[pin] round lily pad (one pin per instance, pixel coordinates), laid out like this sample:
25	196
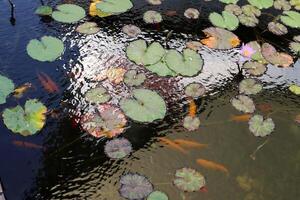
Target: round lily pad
260	127
291	19
88	28
250	21
114	6
97	95
157	195
249	86
276	58
295	47
255	68
189	180
47	49
7	87
282	5
191	123
133	78
191	13
261	4
189	63
154	2
161	68
250	10
68	13
234	9
152	17
145	106
296	38
243	103
117	148
44	11
194	90
277	28
227	20
27	121
131	30
257	55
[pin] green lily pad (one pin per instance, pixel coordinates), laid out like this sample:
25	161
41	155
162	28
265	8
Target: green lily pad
97	95
291	19
27	121
145	106
295	3
7	87
189	63
229	1
277	28
44	11
227	20
68	13
161	68
88	28
133	78
114	6
243	103
261	4
260	127
191	123
194	90
47	49
138	52
246	20
295	47
234	9
282	5
152	17
295	89
255	68
249	86
189	180
157	195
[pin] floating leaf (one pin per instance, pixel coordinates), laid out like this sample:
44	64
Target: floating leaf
226	20
243	103
88	28
114	6
117	148
47	49
295	47
145	106
157	195
255	68
161	68
276	58
7	87
194	90
189	63
138	52
154	2
191	123
261	4
250	21
249	86
295	3
229	1
234	9
295	89
296	38
131	30
68	13
133	78
135	186
93	11
152	17
257	55
97	95
260	127
218	38
251	11
191	13
282	5
193	45
291	19
277	28
189	180
27	121
43	10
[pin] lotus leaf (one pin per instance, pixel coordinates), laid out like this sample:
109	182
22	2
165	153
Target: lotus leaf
131	30
117	148
47	49
189	63
234	9
154	2
282	5
7	87
250	21
249	86
191	13
227	20
27	121
261	4
291	19
161	68
68	13
157	195
44	11
191	123
194	90
145	106
88	28
260	127
114	6
276	58
189	180
243	103
229	1
255	68
295	47
295	3
295	89
97	95
152	17
277	28
138	52
250	10
133	78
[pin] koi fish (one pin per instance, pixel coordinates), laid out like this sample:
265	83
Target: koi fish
19	91
264	107
48	84
173	145
212	165
241	118
189	143
192	108
27	144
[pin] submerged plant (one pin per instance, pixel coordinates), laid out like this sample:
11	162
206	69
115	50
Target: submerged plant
189	180
117	148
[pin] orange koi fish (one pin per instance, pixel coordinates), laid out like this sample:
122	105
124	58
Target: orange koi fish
241	118
19	91
212	165
192	108
173	145
189	143
48	84
27	144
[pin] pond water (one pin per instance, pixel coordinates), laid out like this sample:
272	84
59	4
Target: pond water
72	164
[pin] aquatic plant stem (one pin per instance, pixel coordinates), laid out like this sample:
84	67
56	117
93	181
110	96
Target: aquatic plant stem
258	148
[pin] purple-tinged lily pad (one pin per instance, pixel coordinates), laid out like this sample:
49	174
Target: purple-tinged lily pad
117	148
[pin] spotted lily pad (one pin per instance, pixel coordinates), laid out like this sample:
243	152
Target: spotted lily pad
47	49
68	13
117	148
152	17
277	28
291	19
7	87
157	195
250	10
191	13
227	20
249	86
234	9
194	90
255	68
276	58
295	3
138	52
133	78
114	6
88	28
250	21
295	89
44	11
282	5
145	106
260	127
97	95
27	121
243	103
189	180
261	4
131	30
295	47
191	123
189	63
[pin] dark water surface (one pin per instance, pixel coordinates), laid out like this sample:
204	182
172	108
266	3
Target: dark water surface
73	165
